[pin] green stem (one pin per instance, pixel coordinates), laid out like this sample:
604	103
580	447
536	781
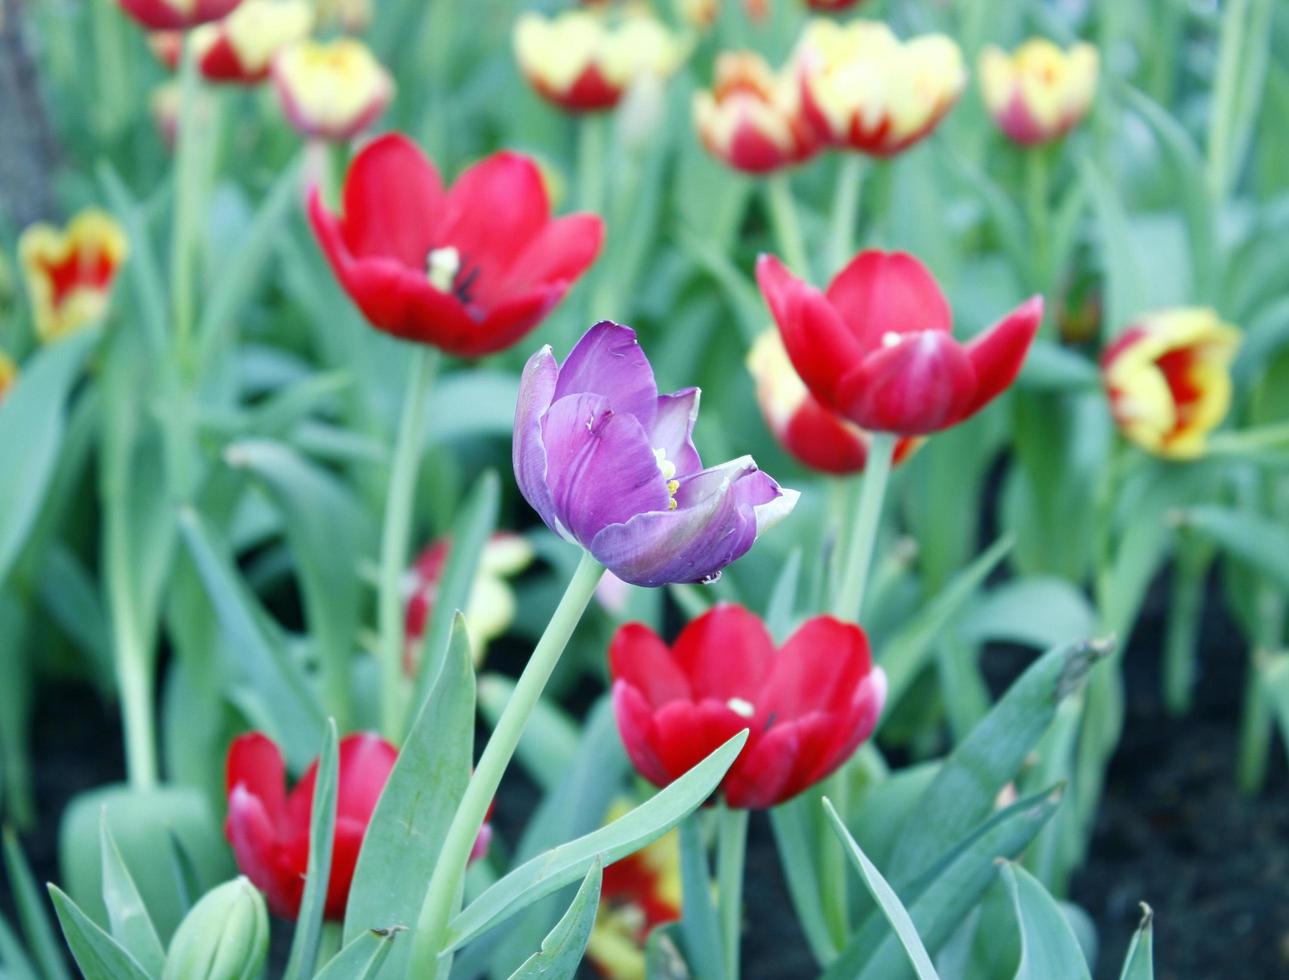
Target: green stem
443	893
1222	111
834	889
1256	727
1037	200
845	211
787	227
592	148
731	851
848	599
395	534
1182	631
187	205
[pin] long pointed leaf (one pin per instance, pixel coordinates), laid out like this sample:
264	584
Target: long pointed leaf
362	958
564	945
1139	964
98	955
128	917
32	913
568	862
1049	950
322	832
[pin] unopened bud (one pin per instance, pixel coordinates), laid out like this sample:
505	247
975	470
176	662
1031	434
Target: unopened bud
224	937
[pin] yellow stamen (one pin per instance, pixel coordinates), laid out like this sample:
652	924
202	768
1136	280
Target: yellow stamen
442	266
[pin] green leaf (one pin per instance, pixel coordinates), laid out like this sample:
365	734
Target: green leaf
550	739
1260	542
411	818
1049	950
1122	264
896	914
1039	612
145	276
128	917
32	913
14	962
322	828
909	650
564	945
963	791
362	957
743	296
31	430
1139	963
329	534
568	862
469	534
797	844
96	953
699	927
781	607
1051	367
267	667
939	900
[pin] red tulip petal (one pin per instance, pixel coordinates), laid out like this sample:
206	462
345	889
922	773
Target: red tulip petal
637	656
777	767
998	353
365	761
398	301
726	653
853	725
825	441
686	733
921	384
495	211
636	726
255	763
821	347
393	202
561	252
345	846
510	320
888	292
819	667
253	836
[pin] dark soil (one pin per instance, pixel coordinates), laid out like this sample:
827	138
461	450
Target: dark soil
1172	830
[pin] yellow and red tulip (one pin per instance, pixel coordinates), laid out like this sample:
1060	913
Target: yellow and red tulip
1039	92
864	88
751	119
639	893
584	61
69	273
1168	379
173	15
331	90
815	436
8	374
241	47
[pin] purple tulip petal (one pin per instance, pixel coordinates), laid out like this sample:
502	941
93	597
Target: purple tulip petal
715	523
673	430
536	391
608	361
600	467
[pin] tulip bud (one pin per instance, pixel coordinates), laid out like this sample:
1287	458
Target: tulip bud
1039	92
241	47
224	937
8	374
751	119
171	15
1168	379
331	90
865	89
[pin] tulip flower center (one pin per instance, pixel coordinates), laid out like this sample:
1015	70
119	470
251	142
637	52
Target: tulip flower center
668	470
741	707
446	272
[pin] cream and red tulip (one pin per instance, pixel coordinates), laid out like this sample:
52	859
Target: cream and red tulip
638	893
865	89
8	374
175	15
70	272
751	119
1168	378
1039	92
268	827
585	60
468	269
331	90
610	465
241	47
877	347
490	605
807	705
815	436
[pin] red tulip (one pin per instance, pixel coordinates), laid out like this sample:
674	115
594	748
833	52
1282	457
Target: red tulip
269	828
807	706
877	346
469	269
175	15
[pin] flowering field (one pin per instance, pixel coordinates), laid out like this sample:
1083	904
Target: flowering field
380	599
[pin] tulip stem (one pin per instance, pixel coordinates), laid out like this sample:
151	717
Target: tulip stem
444	891
1256	729
1037	194
187	206
787	226
845	211
591	151
731	851
848	599
395	534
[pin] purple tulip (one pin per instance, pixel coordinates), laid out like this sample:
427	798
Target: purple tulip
610	464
